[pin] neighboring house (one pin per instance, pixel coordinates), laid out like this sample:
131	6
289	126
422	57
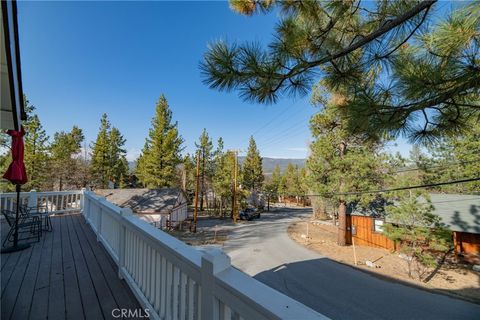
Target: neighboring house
156	206
460	214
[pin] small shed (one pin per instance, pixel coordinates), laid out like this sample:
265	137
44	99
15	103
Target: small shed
156	206
460	213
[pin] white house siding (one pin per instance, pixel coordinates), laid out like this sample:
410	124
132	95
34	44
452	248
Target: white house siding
157	218
178	215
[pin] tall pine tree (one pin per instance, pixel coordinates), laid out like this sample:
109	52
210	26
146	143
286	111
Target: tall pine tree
156	167
100	162
118	164
252	168
340	161
204	148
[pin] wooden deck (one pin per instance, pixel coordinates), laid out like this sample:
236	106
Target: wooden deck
67	275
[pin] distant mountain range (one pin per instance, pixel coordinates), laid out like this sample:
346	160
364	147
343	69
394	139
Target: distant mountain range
268	163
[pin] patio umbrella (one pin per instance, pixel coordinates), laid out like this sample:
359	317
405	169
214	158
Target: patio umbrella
17	175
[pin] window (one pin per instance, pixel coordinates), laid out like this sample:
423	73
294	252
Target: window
378	225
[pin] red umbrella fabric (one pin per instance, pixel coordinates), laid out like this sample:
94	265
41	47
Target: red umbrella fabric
16	172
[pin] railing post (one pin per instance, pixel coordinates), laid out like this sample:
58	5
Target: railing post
99	217
87	208
214	261
82	200
124	212
32	198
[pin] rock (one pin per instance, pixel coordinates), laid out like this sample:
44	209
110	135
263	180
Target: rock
476	268
405	257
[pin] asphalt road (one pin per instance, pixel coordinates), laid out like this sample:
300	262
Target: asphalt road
263	249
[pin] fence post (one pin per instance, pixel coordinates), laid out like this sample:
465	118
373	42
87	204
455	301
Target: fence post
82	200
124	212
214	261
32	198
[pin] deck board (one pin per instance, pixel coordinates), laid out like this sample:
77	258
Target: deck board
56	297
23	301
39	306
67	275
72	289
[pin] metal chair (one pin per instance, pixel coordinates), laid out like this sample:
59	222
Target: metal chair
41	212
32	226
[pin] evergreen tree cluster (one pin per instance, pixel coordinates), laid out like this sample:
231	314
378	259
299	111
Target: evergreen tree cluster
108	158
51	164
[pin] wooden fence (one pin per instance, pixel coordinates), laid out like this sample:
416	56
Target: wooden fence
366	236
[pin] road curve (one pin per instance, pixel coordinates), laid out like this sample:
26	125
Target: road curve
263	249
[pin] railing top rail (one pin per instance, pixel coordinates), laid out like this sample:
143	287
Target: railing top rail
41	193
268	302
180	252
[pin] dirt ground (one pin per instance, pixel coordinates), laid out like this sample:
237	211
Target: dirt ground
452	278
201	237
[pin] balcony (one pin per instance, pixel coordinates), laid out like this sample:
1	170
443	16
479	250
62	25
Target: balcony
100	260
67	275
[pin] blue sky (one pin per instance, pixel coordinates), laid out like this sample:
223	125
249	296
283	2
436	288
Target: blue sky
82	59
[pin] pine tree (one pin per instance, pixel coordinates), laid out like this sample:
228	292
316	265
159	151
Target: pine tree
452	158
204	147
156	167
341	162
64	147
405	73
223	178
36	151
118	164
100	165
272	186
189	175
252	168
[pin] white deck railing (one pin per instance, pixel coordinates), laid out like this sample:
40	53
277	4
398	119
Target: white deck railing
169	278
55	201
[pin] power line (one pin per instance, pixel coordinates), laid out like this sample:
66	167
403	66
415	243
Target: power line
437	166
274	118
395	189
283	135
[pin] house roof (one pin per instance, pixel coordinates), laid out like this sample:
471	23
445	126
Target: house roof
161	200
459	212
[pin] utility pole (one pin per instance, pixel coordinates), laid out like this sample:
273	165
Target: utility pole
234	204
195	212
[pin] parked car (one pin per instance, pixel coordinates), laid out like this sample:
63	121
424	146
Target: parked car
249	214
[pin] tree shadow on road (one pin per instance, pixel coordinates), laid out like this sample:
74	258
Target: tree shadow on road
344	292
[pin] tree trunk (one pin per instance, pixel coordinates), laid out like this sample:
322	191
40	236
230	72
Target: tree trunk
343	235
342	224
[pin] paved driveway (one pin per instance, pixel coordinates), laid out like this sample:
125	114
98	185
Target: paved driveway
263	249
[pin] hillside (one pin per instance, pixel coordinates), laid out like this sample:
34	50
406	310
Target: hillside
270	163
